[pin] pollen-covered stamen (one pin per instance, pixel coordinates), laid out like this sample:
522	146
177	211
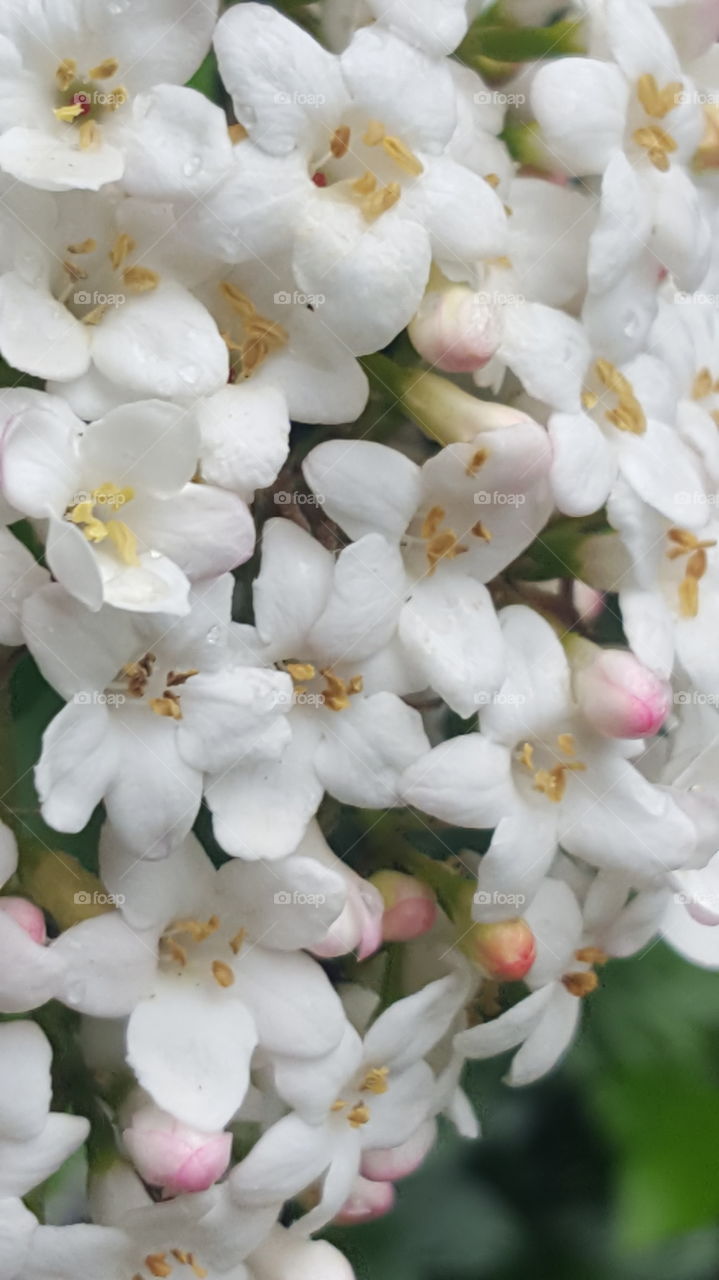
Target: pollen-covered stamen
552	782
358	1115
695	549
337	692
375	1081
657	143
480	530
140	279
105	70
120	251
260	337
398	152
137	674
442	544
83	99
340	142
379	201
158	1265
655	101
300	671
222	973
168	706
580	984
478	459
629	415
591	955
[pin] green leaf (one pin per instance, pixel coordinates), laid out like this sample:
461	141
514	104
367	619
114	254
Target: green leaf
207	79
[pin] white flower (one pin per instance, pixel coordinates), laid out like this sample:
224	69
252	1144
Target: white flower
212	970
328	623
154	704
369	1095
459	520
98	289
70	78
635	121
543	778
367	194
34	1141
126	526
31	972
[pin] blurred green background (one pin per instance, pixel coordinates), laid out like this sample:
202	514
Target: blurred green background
606	1170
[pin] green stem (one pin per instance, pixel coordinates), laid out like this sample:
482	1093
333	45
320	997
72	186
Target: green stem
521	44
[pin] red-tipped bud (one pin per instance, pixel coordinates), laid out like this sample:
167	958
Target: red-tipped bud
619	696
456	330
27	915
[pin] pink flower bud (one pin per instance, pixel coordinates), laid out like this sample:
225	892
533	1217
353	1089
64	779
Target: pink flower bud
456	330
619	696
504	951
171	1155
368	1200
27	915
410	907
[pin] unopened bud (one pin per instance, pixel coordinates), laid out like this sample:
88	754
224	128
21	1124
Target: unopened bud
174	1156
617	694
456	330
27	915
410	907
503	950
368	1200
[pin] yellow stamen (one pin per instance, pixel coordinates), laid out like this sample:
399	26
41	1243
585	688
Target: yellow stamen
480	530
68	113
95	316
105	69
178	953
140	279
300	670
703	385
629	416
198	1270
355	685
657	143
75	271
237	133
122	248
688	598
168	706
238	300
85	246
335	695
591	955
478	459
526	756
365	185
401	155
589	400
222	973
565	742
237	941
580	984
180	677
492	179
339	144
443	546
89	134
376	1080
123	540
66	73
553	782
117	97
359	1115
658	102
378	202
339	1105
373	134
158	1265
432	522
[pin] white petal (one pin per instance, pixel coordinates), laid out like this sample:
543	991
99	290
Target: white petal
365	487
548	351
466	781
233	716
295	1008
366	748
108	966
40	468
244	437
536	693
583	465
409	1028
506	1031
51	162
289	1156
436	28
319	378
24	1165
546	1043
190	1049
153	796
522	850
150	446
401	85
296	898
203	530
178	144
37	333
20	577
451	632
364	603
77	765
581	107
25	1090
292	587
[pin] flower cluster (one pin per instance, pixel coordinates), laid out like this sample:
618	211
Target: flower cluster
358	475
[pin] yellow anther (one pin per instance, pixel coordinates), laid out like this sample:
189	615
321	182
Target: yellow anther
89	134
158	1265
492	179
167	706
443	546
589	400
526	756
75	271
222	973
401	155
373	134
237	942
198	1270
359	1115
703	385
355	685
117	97
178	953
69	112
180	1255
335	695
339	1105
378	202
122	248
580	984
376	1080
480	530
658	102
238	300
300	670
237	133
432	522
108	67
629	415
340	141
657	143
84	246
123	540
553	782
591	955
365	185
140	279
66	73
478	459
688	598
95	316
175	678
566	744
